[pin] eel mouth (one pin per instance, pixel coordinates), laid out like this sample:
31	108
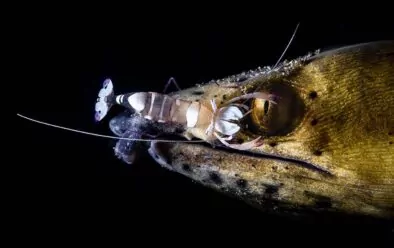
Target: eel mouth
164	152
294	161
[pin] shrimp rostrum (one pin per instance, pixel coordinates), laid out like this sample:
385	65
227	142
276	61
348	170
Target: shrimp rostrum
202	119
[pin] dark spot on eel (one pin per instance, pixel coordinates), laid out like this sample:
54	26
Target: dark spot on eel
169	161
274	168
320	200
224	97
312	95
198	93
215	96
215	178
186	167
242	183
270	190
317	153
314	122
390	142
273	144
324	203
390	133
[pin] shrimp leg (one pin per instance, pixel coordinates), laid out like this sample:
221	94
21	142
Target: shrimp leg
126	150
131	126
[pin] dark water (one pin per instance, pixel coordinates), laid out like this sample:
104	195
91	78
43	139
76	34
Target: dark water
71	179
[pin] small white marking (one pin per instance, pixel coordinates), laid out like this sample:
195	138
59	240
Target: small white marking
153	96
118	99
148	117
110	85
230	113
101	106
105	92
162	109
137	101
101	109
213	104
192	114
226	128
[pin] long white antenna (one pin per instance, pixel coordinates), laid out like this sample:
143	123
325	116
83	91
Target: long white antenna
106	136
288	45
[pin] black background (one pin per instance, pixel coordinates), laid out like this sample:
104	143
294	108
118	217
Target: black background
72	183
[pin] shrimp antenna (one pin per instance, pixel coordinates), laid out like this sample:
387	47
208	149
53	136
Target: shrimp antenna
288	45
106	136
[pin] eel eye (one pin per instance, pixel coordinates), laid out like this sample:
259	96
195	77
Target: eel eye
276	119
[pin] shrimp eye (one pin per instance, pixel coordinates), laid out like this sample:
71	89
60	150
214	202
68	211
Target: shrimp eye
277	119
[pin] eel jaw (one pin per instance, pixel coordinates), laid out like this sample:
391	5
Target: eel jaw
159	155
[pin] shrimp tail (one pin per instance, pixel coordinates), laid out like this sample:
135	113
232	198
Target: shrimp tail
105	100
